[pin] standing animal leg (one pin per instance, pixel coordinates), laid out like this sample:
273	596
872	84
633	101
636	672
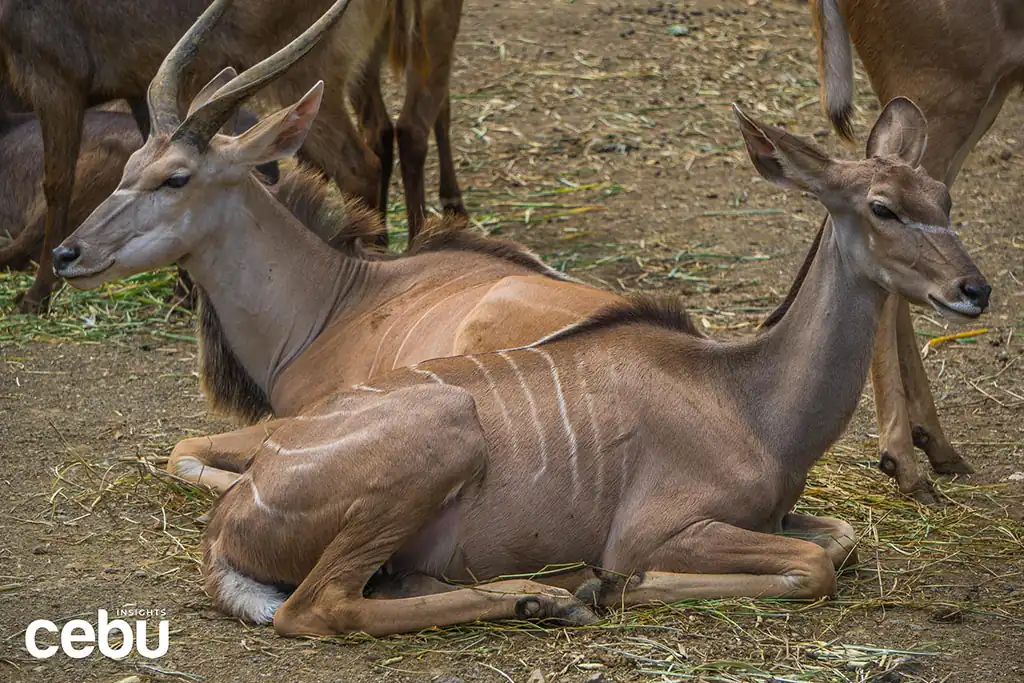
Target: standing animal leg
60	118
426	97
894	436
218	460
378	131
140	112
926	430
712	560
450	194
834	535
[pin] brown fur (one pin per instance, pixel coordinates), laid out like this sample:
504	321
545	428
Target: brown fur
658	311
448	233
343	222
229	388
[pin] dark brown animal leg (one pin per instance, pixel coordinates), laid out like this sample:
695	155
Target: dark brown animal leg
426	93
378	132
140	112
450	194
926	431
894	437
60	119
18	254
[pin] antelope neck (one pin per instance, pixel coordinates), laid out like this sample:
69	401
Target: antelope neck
274	284
800	382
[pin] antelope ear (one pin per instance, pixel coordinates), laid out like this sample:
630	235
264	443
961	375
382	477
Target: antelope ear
901	130
781	158
207	93
281	134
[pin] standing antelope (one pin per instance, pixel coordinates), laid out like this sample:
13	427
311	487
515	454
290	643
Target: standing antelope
62	55
627	441
958	60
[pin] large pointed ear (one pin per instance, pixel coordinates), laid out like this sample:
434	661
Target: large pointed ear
781	158
204	96
901	130
281	134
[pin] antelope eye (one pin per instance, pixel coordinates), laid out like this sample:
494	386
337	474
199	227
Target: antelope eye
178	180
883	211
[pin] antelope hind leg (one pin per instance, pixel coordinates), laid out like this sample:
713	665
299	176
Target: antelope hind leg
926	431
217	461
894	436
717	560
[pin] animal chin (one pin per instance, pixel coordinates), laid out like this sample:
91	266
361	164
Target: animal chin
82	279
957	310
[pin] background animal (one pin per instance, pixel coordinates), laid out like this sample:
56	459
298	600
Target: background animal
958	60
60	56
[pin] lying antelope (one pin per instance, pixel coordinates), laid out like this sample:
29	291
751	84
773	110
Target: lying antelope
958	60
62	55
329	318
627	441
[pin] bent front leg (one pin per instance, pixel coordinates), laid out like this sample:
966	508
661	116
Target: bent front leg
715	560
835	536
217	461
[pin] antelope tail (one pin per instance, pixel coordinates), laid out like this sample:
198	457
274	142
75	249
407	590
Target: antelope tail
835	64
407	44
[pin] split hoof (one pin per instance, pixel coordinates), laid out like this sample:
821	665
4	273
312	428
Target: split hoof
958	466
558	606
923	492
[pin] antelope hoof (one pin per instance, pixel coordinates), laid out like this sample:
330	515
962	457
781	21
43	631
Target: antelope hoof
944	459
923	492
188	468
31	303
561	607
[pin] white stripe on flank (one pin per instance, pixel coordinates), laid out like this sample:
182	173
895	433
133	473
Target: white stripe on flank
563	409
533	414
256	497
588	402
399	318
497	398
363	387
426	373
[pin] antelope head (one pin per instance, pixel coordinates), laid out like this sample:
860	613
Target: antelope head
890	218
188	177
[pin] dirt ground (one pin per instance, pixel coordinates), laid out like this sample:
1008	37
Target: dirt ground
586	130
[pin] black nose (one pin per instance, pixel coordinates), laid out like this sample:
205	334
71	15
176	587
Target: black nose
976	292
63	257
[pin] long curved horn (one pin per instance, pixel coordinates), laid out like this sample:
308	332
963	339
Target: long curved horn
162	95
201	125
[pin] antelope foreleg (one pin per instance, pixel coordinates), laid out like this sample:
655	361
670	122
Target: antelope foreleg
716	560
834	535
926	431
894	436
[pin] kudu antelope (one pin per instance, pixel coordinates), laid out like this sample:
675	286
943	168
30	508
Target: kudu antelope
109	137
958	60
330	319
627	441
61	56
